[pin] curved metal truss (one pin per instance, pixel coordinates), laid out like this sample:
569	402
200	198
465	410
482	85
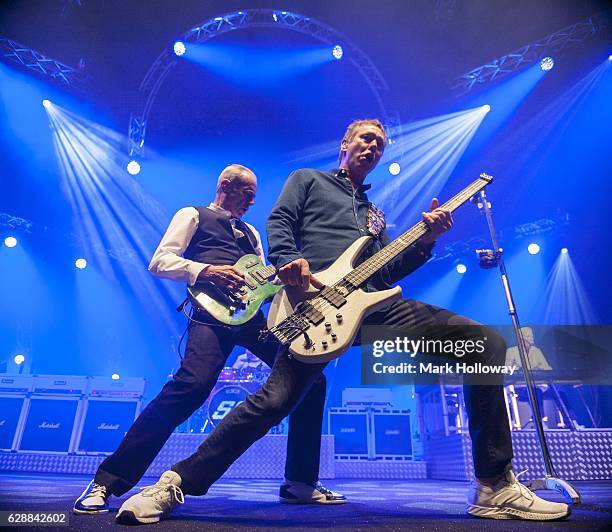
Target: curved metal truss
33	60
555	42
261	18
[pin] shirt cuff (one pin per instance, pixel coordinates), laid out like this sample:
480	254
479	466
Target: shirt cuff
287	259
194	271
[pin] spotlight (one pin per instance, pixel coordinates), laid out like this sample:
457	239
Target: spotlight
547	63
395	168
461	268
337	51
10	241
564	250
115	376
133	168
610	58
19	359
46	103
533	249
81	264
486	108
179	48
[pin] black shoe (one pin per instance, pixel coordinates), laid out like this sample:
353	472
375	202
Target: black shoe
301	493
94	500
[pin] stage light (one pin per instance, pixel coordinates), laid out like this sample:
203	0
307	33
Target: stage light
115	376
547	63
564	250
395	168
179	48
275	17
486	108
533	249
133	168
10	241
19	359
337	51
46	103
81	264
610	58
461	268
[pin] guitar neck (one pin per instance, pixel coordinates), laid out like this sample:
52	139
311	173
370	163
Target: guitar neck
380	259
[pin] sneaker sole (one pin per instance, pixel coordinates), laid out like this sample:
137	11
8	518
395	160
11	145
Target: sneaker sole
490	512
129	518
89	512
311	502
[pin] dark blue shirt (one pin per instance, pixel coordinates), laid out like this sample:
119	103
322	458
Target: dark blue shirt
318	215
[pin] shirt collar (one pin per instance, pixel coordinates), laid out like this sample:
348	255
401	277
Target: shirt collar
342	174
221	210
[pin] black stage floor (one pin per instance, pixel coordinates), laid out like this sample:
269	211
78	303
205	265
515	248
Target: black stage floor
251	505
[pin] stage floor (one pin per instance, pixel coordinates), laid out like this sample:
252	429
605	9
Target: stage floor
252	505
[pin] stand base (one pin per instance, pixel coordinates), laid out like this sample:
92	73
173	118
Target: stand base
570	494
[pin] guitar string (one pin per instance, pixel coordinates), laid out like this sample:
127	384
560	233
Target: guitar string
381	256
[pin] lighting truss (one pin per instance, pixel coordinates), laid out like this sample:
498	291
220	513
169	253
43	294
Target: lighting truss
262	18
553	44
33	60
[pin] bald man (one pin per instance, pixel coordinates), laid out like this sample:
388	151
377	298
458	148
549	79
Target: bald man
200	245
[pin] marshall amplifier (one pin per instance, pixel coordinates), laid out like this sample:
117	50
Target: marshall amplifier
105	423
53	414
124	388
14	390
351	430
392	434
50	424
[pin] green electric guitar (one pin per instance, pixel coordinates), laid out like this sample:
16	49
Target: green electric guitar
235	307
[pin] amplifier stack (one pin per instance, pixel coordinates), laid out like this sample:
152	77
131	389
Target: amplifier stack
65	413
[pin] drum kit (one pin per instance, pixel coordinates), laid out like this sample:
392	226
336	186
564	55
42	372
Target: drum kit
231	389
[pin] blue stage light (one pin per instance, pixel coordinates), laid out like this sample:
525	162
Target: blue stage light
133	168
10	241
81	264
46	103
486	108
547	63
179	48
115	376
337	51
533	249
19	359
564	250
461	268
395	168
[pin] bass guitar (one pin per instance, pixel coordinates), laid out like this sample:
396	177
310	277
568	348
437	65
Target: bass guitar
320	325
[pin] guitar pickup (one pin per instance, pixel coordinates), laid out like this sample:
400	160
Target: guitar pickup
310	313
333	296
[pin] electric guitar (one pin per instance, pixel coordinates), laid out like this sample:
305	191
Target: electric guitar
320	325
235	307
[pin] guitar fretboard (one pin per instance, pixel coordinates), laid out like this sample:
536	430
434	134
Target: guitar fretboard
377	261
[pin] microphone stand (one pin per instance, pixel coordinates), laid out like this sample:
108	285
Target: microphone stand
550	481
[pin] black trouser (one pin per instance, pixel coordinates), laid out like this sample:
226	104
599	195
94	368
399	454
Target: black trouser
206	352
291	380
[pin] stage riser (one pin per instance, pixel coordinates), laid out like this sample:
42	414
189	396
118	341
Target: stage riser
581	455
265	459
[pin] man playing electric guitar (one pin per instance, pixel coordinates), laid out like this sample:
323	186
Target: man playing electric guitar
317	216
200	245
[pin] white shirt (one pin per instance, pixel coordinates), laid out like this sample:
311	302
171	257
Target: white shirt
168	261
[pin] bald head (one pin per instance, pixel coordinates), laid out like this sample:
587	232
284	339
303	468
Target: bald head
236	174
236	189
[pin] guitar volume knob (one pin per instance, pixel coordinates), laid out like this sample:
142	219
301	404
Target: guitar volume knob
324	344
339	318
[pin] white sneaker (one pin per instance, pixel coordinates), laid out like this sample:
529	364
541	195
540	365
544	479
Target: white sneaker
153	502
509	499
94	500
300	493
